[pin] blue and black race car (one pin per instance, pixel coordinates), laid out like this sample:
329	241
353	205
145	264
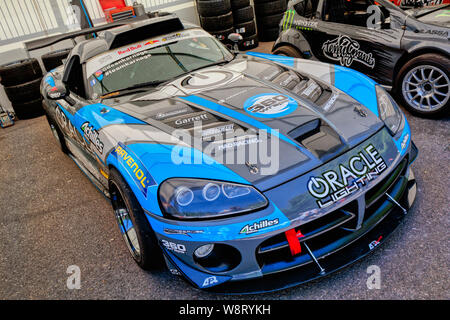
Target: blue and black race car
242	172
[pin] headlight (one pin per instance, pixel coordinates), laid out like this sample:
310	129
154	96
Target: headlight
388	110
184	198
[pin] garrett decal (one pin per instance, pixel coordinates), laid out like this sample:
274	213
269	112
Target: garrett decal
346	50
135	168
182	122
256	226
333	186
92	136
270	105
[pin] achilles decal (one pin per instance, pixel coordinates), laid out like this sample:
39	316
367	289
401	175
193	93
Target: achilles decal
256	226
346	50
333	186
92	135
270	105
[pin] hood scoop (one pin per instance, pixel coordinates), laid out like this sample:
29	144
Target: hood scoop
319	138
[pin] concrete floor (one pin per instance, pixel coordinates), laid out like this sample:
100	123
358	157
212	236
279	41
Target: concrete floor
52	217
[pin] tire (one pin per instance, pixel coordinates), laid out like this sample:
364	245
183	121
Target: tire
217	23
141	241
287	51
270	21
54	59
434	66
210	8
243	15
24	92
236	4
28	110
59	137
17	72
249	43
268	34
222	35
245	29
270	8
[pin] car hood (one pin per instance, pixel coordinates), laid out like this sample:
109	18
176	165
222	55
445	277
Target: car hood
308	121
436	15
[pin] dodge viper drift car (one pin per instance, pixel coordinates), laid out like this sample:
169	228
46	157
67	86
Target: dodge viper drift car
407	51
151	110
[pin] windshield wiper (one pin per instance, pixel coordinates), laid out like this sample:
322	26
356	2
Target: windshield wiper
121	92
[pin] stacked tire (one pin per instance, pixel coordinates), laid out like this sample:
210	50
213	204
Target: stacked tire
244	23
216	17
54	59
22	80
269	13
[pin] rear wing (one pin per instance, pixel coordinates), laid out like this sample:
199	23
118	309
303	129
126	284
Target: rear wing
45	42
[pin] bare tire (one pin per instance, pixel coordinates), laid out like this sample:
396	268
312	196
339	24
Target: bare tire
423	85
133	224
287	51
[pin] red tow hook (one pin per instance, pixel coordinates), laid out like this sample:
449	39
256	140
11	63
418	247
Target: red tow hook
292	237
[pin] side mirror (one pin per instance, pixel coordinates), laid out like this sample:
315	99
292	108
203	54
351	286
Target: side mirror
56	93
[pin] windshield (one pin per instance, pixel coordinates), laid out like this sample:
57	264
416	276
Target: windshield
153	61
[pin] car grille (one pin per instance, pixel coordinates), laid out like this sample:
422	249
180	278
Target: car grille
331	232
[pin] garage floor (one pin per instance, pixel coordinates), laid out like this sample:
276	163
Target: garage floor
52	217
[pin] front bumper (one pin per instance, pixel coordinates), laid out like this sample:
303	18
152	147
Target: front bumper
335	245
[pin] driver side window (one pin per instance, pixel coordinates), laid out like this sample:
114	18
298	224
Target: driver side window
352	12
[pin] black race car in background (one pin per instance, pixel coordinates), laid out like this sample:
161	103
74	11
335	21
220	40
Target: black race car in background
408	51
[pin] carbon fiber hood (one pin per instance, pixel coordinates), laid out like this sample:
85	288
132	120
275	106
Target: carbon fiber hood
227	106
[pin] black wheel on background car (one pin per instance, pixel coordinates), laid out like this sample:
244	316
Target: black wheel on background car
216	23
133	225
423	85
20	71
287	51
59	137
209	8
24	92
29	109
54	59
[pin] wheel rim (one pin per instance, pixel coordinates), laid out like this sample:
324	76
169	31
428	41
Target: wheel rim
125	223
426	88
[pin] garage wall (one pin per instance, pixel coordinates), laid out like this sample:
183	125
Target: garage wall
25	20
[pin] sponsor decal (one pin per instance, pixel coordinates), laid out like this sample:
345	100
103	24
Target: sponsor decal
182	232
210	281
151	42
184	121
405	141
134	167
125	62
129	49
239	143
301	24
333	186
175	272
93	82
174	36
346	50
175	247
92	135
374	243
256	226
270	105
169	114
327	106
217	130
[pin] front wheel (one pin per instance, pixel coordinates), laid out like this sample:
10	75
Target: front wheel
287	51
423	85
133	224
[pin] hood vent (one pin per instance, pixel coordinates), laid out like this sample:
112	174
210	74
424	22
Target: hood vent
319	138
